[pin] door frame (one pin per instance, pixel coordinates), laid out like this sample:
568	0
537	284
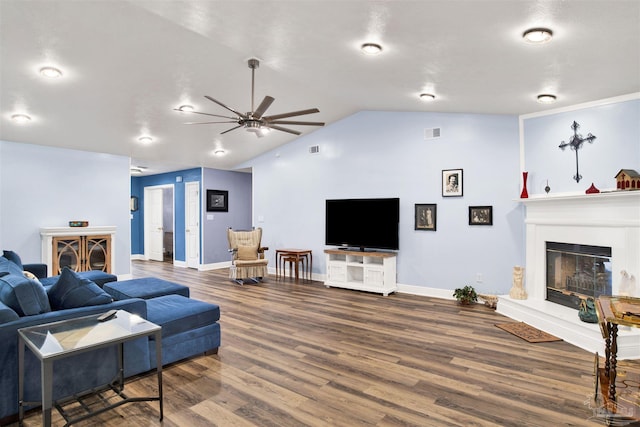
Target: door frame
147	210
198	213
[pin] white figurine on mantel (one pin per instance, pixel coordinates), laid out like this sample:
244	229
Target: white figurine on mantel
517	290
627	284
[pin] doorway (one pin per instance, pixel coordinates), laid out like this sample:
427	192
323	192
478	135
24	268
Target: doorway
159	241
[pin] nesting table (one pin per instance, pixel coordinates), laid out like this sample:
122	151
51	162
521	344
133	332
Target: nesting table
294	257
54	341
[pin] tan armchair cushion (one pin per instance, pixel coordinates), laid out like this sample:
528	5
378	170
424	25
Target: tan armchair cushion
247	253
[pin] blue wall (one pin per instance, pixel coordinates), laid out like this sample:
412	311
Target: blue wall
215	224
137	221
214	245
384	154
617	146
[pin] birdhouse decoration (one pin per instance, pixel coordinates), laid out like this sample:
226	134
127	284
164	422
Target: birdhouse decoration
627	179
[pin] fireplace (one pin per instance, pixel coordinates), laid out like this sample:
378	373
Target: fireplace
607	228
576	272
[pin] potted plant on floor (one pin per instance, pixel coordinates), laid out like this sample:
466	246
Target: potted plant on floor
466	295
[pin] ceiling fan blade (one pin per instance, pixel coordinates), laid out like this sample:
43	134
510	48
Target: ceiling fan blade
293	122
266	103
209	123
291	114
224	106
280	128
229	130
204	114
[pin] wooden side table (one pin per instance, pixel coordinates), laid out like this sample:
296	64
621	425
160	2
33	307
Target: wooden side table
614	311
294	256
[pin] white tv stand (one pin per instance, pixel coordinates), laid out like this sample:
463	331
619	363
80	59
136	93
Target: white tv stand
362	271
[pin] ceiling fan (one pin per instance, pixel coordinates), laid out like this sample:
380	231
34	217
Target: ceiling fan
255	121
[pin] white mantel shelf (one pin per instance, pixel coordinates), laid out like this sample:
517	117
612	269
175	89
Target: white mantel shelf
609	219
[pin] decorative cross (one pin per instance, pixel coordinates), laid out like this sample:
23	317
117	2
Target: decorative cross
575	142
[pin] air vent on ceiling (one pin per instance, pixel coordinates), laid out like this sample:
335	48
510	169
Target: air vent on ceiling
314	149
432	133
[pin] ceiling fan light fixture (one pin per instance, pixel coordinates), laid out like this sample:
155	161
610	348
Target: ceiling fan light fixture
427	97
537	35
371	48
50	72
186	108
21	118
546	98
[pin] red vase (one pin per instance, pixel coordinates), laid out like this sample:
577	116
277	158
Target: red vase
524	194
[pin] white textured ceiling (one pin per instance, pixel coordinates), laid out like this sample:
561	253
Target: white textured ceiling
127	64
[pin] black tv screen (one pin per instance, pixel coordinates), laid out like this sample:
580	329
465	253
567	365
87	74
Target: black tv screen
363	223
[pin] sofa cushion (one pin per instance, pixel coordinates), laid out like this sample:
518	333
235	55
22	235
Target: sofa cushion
71	291
177	314
13	257
9	267
247	253
145	288
7	314
23	295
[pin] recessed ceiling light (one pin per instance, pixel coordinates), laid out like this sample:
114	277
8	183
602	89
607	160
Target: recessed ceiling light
427	96
537	35
138	169
186	107
50	72
145	139
219	152
546	98
21	118
371	48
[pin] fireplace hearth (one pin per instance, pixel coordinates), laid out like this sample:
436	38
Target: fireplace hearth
609	220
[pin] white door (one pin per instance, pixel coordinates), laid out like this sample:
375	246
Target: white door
154	231
192	224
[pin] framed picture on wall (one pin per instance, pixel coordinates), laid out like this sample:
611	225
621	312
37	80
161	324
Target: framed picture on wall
452	183
480	215
217	201
426	217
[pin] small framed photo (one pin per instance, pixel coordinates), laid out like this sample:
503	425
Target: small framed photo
480	215
426	215
217	201
452	183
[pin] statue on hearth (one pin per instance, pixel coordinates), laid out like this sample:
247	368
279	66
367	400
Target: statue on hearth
627	284
517	290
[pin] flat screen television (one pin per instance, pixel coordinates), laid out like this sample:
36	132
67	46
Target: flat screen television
362	223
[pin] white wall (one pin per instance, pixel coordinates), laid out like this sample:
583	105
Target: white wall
44	186
384	154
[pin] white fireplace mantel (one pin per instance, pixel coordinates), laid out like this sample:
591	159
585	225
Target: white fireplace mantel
610	219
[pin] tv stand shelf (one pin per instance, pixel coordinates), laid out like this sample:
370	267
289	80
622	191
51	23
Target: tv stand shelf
362	271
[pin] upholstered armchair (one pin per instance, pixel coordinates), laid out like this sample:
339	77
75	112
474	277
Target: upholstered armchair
247	256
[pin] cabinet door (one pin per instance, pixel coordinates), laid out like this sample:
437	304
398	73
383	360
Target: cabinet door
98	253
337	272
67	252
374	276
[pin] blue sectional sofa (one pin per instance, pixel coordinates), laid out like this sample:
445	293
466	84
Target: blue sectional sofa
189	327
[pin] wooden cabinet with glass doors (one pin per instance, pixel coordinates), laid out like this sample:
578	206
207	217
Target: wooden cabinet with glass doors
82	253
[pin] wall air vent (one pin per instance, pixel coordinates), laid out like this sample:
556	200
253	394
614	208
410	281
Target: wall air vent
314	149
432	133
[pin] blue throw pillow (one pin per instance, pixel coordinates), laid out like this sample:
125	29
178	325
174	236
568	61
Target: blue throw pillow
71	291
23	295
13	257
9	267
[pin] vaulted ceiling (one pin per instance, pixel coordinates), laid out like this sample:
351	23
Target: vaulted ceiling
127	64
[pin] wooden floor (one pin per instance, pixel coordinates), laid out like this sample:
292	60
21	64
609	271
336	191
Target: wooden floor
304	355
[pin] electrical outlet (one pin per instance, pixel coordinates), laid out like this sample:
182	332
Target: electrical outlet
479	277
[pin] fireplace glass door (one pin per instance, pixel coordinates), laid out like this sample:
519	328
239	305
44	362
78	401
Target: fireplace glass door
577	271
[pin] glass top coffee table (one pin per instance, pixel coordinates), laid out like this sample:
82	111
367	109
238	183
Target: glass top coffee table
53	341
